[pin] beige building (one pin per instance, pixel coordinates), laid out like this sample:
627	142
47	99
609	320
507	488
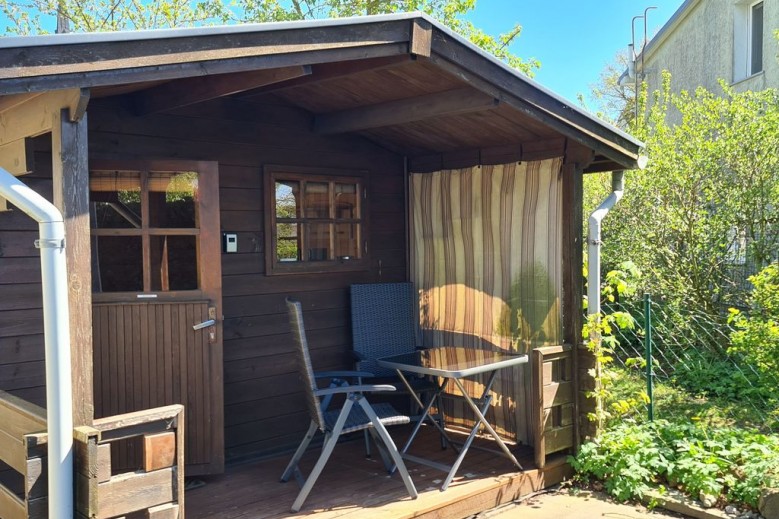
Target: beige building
709	40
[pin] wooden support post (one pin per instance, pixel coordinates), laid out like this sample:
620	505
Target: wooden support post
70	176
537	363
577	159
88	467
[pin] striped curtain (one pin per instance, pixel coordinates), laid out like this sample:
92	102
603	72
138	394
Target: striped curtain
486	259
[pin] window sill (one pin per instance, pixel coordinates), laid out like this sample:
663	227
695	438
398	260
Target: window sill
748	78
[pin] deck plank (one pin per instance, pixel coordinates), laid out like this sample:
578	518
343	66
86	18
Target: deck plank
352	486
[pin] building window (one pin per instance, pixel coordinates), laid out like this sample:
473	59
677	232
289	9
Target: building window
737	246
756	38
315	220
748	40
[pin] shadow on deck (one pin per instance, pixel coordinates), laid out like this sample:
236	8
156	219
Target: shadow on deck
352	486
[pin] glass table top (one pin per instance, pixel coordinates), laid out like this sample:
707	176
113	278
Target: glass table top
452	361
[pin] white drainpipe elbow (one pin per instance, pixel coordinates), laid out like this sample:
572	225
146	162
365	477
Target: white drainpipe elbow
594	242
56	332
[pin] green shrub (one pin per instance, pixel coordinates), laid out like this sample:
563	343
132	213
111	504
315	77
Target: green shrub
733	464
757	331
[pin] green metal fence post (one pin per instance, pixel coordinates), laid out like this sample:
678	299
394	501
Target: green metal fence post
648	345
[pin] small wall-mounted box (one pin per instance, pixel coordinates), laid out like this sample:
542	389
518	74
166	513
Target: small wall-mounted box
230	242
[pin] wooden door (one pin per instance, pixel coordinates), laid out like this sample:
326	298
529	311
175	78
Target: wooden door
157	303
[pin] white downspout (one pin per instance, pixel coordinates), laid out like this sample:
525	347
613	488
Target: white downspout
56	329
594	241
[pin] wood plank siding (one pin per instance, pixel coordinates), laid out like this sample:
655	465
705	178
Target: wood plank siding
264	410
22	368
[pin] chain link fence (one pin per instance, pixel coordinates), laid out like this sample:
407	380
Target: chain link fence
694	373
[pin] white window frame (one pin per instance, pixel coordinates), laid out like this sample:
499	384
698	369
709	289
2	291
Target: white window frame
742	39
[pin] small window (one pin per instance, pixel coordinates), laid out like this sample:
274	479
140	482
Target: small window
315	220
748	40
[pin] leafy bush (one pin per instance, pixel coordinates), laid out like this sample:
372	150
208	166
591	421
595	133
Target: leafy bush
708	374
630	458
757	332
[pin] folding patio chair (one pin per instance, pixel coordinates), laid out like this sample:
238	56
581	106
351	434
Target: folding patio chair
355	415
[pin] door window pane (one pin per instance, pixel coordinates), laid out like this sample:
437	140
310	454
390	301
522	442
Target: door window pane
115	199
173	263
172	199
117	264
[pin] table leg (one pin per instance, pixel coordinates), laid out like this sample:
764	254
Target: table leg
466	445
425	414
483	420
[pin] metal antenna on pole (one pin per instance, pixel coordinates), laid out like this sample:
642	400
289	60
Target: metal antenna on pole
641	52
633	57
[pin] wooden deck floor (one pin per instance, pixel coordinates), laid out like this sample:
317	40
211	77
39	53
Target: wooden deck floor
353	487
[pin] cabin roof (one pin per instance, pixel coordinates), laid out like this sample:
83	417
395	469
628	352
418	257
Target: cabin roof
403	80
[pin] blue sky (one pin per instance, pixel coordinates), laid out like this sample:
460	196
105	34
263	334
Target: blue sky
573	39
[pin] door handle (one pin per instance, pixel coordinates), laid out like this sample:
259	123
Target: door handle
204	324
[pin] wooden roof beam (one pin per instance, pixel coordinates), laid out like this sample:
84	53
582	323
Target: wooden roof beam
36	114
16	157
403	111
322	72
189	91
10	101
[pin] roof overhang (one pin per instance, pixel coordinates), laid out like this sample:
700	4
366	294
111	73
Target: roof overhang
29	65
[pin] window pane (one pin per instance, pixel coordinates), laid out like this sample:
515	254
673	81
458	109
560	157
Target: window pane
287	205
173	263
115	198
117	264
757	38
318	242
317	200
347	241
172	197
346	201
287	242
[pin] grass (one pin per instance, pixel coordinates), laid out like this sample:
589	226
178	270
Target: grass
674	404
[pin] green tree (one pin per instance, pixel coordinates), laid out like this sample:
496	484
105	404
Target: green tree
32	16
609	100
712	180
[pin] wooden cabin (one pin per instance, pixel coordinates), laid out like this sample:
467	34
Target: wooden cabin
206	174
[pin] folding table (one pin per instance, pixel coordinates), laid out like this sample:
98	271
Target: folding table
453	363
